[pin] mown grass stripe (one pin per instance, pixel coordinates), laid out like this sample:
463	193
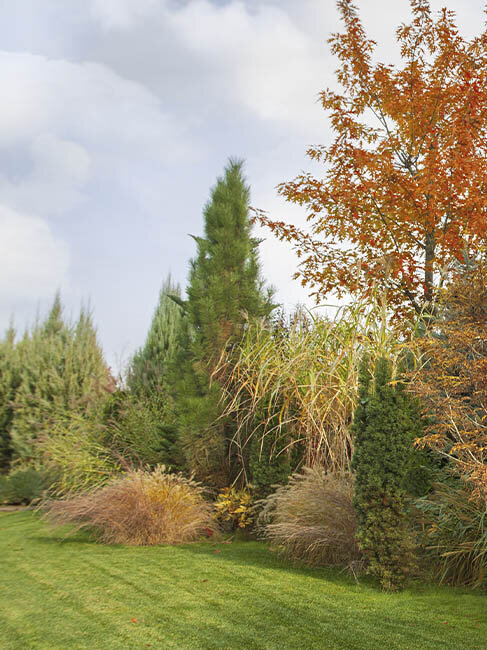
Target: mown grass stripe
79	594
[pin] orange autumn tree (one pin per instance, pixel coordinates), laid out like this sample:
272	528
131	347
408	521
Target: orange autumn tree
404	188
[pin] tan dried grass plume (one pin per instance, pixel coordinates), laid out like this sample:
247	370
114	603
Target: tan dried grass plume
312	519
140	508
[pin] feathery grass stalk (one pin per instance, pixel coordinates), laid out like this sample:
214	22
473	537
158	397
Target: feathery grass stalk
303	378
312	519
140	508
455	527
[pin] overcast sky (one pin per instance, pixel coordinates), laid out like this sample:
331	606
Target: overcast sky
116	118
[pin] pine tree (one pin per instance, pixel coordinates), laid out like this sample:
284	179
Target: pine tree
385	424
224	282
224	290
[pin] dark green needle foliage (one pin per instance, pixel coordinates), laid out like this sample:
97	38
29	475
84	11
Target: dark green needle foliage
385	425
224	291
269	460
224	282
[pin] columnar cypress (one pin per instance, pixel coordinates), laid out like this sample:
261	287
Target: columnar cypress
224	290
384	427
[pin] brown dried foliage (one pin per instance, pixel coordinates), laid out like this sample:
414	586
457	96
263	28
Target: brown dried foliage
452	382
140	508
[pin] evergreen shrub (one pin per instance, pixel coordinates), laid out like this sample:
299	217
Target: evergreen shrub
132	429
22	486
4	490
385	425
269	464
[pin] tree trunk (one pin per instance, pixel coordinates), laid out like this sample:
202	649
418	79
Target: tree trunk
429	257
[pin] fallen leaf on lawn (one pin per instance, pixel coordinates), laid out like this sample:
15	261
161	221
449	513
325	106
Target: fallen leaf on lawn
205	580
134	620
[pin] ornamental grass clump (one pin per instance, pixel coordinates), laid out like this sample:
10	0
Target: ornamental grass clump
454	523
73	454
140	508
312	519
295	382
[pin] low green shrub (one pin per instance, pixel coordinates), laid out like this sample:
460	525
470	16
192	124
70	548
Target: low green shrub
22	486
312	519
269	463
4	490
140	508
455	533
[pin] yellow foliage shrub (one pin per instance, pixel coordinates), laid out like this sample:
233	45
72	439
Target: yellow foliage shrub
234	506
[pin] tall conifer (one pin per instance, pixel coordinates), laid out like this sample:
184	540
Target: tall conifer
224	290
151	364
150	379
62	370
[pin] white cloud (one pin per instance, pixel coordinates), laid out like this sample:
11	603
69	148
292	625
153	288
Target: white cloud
70	122
122	14
83	102
52	156
263	60
33	262
60	170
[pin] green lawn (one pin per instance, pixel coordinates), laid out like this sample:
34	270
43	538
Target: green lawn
74	593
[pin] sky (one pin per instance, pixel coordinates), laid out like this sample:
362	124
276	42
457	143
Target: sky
118	116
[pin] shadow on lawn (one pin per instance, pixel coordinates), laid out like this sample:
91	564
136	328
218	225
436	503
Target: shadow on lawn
259	555
240	553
